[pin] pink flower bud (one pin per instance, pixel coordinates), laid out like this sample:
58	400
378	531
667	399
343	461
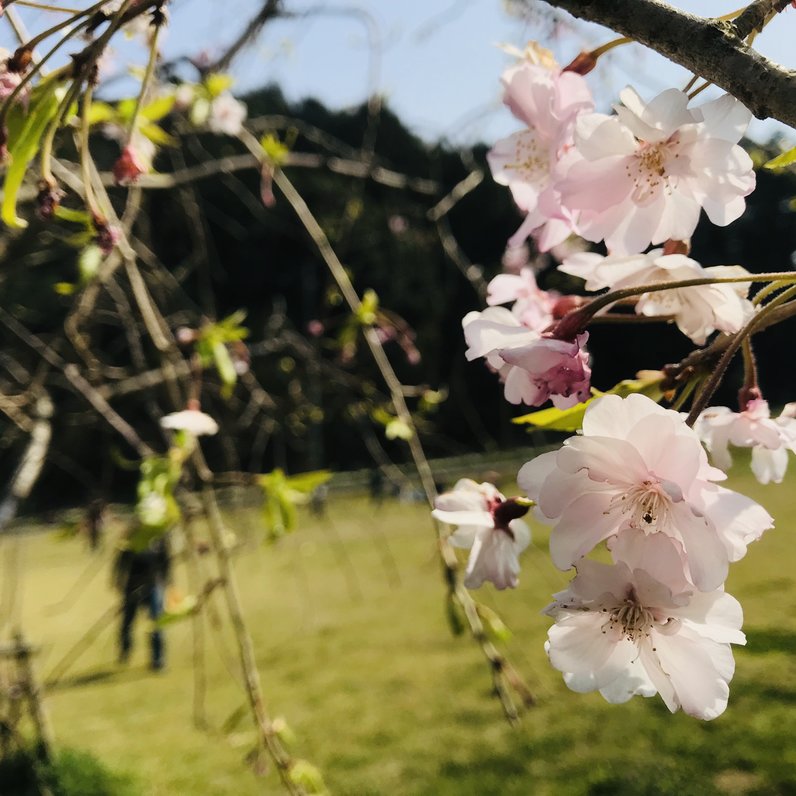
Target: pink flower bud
128	168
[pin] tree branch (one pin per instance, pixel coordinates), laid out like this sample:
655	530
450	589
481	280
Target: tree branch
713	49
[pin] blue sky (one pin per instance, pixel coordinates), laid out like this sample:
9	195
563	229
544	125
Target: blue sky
436	61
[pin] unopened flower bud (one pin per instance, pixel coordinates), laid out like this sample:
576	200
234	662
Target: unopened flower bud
129	167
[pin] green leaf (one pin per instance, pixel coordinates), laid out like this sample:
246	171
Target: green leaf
217	84
366	312
398	429
308	777
158	108
493	625
73	216
100	113
571	419
782	161
64	288
157	135
88	262
274	149
42	109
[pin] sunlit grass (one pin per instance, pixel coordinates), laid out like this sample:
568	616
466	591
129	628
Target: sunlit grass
354	651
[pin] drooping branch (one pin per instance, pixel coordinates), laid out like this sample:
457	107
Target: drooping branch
711	48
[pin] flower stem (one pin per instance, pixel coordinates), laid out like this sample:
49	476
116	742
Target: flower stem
713	381
145	83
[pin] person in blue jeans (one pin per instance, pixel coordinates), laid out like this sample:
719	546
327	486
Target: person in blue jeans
141	576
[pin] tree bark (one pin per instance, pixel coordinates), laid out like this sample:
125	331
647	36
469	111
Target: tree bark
712	49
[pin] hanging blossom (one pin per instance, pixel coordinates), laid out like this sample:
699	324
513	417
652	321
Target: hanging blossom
547	101
698	311
769	438
637	627
192	420
643	176
532	306
532	366
639	466
490	527
129	166
226	115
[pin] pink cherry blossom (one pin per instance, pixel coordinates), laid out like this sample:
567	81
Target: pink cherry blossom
637	627
534	368
638	465
532	306
698	311
490	527
547	101
643	175
770	439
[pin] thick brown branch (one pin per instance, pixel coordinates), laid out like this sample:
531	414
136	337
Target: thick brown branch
709	48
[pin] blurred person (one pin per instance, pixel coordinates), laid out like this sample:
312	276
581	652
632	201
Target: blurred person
141	577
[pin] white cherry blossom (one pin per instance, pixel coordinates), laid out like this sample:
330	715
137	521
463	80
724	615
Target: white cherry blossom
644	175
490	527
638	465
769	438
698	311
637	627
191	420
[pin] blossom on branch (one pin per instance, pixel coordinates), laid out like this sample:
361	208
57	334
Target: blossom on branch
490	527
191	420
532	366
643	175
226	115
636	627
769	438
533	307
547	100
698	311
128	167
638	466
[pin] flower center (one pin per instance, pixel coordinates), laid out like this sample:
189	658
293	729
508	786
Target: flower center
648	504
649	170
530	160
632	620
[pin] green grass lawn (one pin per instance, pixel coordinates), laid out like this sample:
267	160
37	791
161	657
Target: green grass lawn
354	651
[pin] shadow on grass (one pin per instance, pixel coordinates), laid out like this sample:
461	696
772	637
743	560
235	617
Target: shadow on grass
98	676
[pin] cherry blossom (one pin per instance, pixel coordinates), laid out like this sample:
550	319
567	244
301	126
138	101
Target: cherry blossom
639	465
490	527
533	307
226	115
769	438
191	420
637	627
533	367
698	311
547	101
643	175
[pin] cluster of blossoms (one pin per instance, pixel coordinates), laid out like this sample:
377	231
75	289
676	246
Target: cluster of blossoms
637	478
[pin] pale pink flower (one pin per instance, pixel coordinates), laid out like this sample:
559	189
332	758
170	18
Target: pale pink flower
644	175
532	306
490	527
226	115
533	368
547	101
515	258
638	465
193	421
770	439
637	627
698	311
